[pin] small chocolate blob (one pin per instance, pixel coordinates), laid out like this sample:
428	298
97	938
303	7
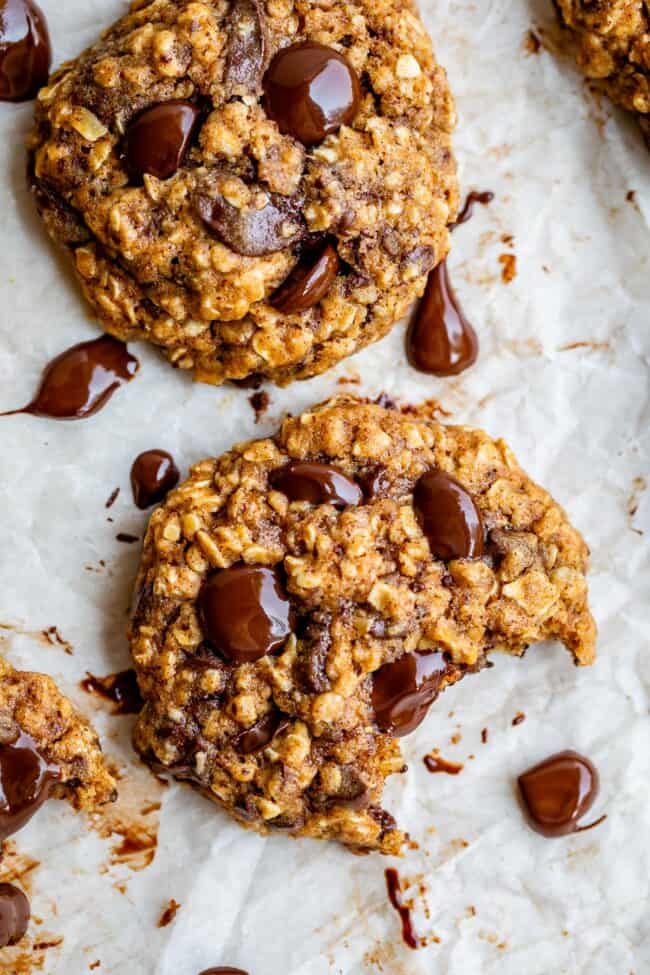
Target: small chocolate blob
303	480
25	52
557	792
394	890
440	340
14	915
81	380
26	780
308	283
158	138
121	688
153	475
252	232
246	612
404	690
435	763
448	516
261	733
311	91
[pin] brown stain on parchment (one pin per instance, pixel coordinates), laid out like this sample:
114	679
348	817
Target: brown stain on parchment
133	821
17	868
50	636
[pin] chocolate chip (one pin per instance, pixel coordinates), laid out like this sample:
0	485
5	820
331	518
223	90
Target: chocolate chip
245	611
158	138
403	691
308	283
251	232
153	475
303	480
440	339
261	733
557	792
14	915
25	52
449	518
26	780
311	91
247	46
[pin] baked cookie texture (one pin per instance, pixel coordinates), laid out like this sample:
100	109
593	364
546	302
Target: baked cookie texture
381	189
365	590
31	704
612	46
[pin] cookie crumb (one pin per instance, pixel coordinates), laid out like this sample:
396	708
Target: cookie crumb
169	913
508	267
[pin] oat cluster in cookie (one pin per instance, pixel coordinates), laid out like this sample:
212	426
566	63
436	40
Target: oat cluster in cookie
33	710
612	46
161	161
281	715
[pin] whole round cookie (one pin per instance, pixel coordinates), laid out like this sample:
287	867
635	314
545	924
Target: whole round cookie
259	188
303	599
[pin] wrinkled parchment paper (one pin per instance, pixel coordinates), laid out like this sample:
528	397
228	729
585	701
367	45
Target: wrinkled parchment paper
563	376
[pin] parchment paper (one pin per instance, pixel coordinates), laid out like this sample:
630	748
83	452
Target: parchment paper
563	376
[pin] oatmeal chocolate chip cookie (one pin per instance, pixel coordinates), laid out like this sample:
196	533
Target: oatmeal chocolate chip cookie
303	599
260	188
47	749
612	46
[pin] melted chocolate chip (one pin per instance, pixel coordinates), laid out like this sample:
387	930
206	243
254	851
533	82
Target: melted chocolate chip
311	91
153	475
246	612
14	915
81	380
449	518
158	138
558	792
261	733
224	971
440	340
247	46
25	52
26	779
394	888
404	690
303	480
251	232
121	688
483	197
308	283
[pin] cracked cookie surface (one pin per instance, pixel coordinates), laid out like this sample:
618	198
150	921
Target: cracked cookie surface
36	716
198	261
612	46
288	719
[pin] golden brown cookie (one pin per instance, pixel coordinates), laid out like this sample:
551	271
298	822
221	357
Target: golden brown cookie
303	599
612	46
258	188
47	749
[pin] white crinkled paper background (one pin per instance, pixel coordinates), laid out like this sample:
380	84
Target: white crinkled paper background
499	897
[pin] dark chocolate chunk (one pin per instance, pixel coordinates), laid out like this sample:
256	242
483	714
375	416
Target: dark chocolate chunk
557	792
25	52
153	475
404	690
14	915
449	518
311	91
251	232
26	780
261	733
303	480
158	138
247	46
308	283
246	612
